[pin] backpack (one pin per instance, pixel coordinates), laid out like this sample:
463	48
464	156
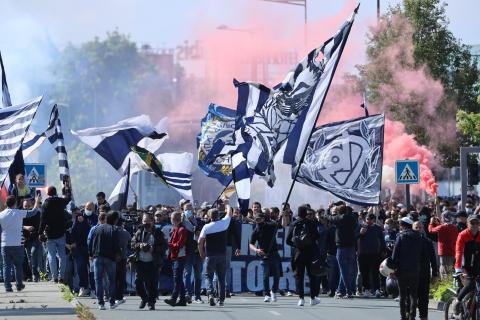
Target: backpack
301	236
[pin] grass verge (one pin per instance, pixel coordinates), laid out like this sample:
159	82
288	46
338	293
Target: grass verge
83	312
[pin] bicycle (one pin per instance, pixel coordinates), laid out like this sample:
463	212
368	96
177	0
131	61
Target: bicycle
469	307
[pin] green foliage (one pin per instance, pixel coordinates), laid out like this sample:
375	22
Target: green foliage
447	58
82	311
98	83
410	42
441	291
469	125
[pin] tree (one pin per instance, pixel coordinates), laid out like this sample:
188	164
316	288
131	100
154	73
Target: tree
98	83
421	74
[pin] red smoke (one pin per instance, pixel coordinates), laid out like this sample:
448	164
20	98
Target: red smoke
239	51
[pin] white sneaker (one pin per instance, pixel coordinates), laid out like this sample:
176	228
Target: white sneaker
301	302
199	301
378	294
359	294
117	302
101	307
289	294
267	299
273	297
314	301
113	306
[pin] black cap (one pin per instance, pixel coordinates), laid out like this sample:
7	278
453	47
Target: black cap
339	203
371	216
461	214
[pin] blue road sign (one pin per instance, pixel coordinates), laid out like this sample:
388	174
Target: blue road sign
407	171
35	174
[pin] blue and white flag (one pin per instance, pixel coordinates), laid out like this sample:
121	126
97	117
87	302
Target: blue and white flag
55	136
14	124
119	197
6	101
114	143
31	142
345	158
177	172
311	94
217	129
289	112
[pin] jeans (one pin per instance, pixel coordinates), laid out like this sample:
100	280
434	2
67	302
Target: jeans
35	255
13	259
178	286
369	264
193	263
56	248
408	288
81	262
104	266
215	265
271	268
347	265
333	273
228	270
146	281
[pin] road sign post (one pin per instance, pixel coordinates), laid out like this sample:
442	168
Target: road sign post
35	174
407	172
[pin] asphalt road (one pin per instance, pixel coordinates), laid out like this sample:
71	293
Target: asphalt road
249	307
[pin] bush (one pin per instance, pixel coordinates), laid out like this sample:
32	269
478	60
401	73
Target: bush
441	291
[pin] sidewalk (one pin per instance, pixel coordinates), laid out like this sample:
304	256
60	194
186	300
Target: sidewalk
38	301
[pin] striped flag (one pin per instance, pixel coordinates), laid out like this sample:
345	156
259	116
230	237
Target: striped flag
119	197
6	101
173	169
289	114
14	124
31	142
55	136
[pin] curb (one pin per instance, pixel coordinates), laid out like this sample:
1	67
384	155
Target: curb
436	305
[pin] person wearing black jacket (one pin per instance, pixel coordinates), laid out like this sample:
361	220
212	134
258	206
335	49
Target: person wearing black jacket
53	221
33	247
345	225
371	246
428	271
302	236
333	269
265	233
407	259
79	234
104	250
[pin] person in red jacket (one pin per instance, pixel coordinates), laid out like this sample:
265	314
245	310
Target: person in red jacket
447	236
177	255
467	254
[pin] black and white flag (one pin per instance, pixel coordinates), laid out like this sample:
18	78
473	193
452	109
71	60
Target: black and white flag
14	124
55	136
345	158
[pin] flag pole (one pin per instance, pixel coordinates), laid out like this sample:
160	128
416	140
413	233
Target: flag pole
224	189
319	110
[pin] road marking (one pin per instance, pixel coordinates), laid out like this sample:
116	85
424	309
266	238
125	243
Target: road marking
275	313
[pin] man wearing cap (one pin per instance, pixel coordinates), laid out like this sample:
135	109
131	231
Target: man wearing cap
371	244
447	235
467	255
406	256
265	234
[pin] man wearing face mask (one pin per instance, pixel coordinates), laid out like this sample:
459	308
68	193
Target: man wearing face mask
469	208
193	225
149	245
461	218
89	214
447	235
265	235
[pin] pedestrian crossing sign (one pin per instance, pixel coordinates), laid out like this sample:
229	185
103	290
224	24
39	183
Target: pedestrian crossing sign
35	175
407	171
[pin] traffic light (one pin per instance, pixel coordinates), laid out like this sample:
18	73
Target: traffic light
472	170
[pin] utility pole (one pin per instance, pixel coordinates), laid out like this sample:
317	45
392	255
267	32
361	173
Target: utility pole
378	11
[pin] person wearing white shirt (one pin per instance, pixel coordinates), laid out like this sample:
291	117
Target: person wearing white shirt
11	224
